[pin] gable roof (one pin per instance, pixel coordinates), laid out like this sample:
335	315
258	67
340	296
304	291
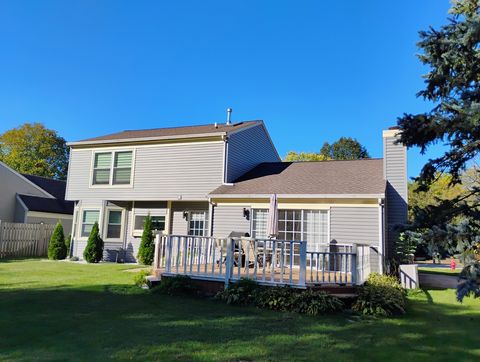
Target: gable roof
323	178
55	188
43	204
168	133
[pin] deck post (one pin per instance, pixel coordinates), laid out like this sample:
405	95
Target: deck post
354	264
303	263
229	261
156	253
168	252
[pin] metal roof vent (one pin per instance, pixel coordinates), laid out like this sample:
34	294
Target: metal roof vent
229	116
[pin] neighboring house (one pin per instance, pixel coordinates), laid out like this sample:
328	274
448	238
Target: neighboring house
212	180
33	199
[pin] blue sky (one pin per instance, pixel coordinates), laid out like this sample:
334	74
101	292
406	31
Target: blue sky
312	70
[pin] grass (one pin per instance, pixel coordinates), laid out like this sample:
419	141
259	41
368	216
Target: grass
439	271
69	311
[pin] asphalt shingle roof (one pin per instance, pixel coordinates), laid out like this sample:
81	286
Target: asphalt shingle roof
171	132
43	204
56	188
310	178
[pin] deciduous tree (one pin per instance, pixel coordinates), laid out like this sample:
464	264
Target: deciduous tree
36	150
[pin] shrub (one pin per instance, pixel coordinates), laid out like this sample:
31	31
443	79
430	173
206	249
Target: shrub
242	292
314	302
146	250
284	299
177	285
56	247
382	295
93	252
140	279
275	298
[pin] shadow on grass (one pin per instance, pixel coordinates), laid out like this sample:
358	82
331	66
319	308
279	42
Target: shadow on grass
118	321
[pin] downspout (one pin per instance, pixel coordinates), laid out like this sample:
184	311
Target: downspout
225	159
381	235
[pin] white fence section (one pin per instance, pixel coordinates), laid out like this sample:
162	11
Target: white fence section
275	262
24	240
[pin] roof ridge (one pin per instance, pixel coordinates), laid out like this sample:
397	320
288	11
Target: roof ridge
320	161
190	126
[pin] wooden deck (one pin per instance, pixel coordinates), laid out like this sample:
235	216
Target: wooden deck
268	262
266	275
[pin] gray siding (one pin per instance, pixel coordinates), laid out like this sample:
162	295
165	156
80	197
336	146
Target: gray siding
395	167
179	224
20	211
11	184
163	172
355	225
228	218
246	149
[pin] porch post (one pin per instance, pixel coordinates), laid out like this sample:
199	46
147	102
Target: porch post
353	266
156	253
168	252
303	263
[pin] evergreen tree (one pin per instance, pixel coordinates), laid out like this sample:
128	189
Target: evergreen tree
453	87
146	250
56	248
93	252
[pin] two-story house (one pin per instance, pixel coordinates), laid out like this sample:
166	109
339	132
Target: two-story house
212	180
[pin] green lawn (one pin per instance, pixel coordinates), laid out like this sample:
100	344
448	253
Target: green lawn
68	311
441	271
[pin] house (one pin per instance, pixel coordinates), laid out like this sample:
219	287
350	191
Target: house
33	199
215	181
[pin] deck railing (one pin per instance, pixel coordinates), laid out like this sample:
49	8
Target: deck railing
267	261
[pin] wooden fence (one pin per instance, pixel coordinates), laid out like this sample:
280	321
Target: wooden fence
24	240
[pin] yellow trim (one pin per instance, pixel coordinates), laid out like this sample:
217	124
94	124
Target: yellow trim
311	204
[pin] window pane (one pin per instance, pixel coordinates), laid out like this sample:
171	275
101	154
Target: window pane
158	223
259	223
86	228
123	159
139	221
197	223
115	217
90	216
101	177
113	231
103	160
121	176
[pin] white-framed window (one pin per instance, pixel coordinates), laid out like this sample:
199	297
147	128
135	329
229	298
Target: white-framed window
259	223
158	223
89	217
298	225
112	168
197	223
114	224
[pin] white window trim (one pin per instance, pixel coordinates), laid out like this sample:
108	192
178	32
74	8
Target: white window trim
139	232
105	225
329	239
80	221
205	228
110	185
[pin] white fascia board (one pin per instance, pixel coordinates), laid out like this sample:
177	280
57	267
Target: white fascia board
26	180
143	139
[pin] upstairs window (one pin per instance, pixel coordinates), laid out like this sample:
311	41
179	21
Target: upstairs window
112	168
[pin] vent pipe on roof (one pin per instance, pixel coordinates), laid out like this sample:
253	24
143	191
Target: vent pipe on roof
229	116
